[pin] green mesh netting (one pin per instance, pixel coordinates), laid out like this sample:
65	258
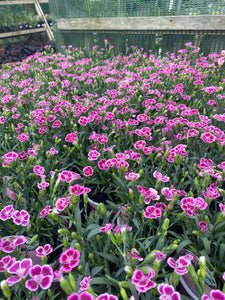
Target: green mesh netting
157	41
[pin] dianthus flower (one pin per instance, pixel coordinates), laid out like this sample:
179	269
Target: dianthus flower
152	212
69	259
161	177
214	295
167	292
40	275
82	296
143	281
107	228
21	269
85	283
43	251
180	265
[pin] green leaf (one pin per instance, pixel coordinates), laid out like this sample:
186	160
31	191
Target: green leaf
93	232
206	244
183	245
111	258
96	270
101	280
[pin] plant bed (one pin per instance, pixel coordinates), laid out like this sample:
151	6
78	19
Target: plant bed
148	132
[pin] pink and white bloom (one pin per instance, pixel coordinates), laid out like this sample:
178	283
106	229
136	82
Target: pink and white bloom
180	265
143	281
161	177
107	228
167	292
43	251
214	295
88	171
21	217
131	176
152	212
40	276
21	269
84	284
82	296
69	259
6	262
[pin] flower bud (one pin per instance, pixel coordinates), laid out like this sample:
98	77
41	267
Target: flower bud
77	247
192	273
65	242
165	225
33	240
123	293
202	264
74	235
5	289
62	231
150	257
72	281
65	286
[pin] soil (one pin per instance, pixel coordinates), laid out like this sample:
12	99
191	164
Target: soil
19	51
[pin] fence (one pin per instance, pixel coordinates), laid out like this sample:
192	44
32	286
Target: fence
157	25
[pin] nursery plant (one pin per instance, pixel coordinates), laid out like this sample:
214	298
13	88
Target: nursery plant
141	135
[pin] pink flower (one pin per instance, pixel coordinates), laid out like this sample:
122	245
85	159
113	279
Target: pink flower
131	176
43	185
160	177
21	269
139	144
107	297
21	217
222	208
38	170
11	244
85	283
88	171
167	292
70	259
66	176
208	137
159	256
56	124
62	203
122	228
102	139
40	275
107	228
42	130
211	193
78	189
23	137
22	155
143	281
181	264
83	121
214	295
6	262
151	212
43	251
103	165
134	254
71	137
45	211
82	296
93	155
203	226
6	213
188	205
